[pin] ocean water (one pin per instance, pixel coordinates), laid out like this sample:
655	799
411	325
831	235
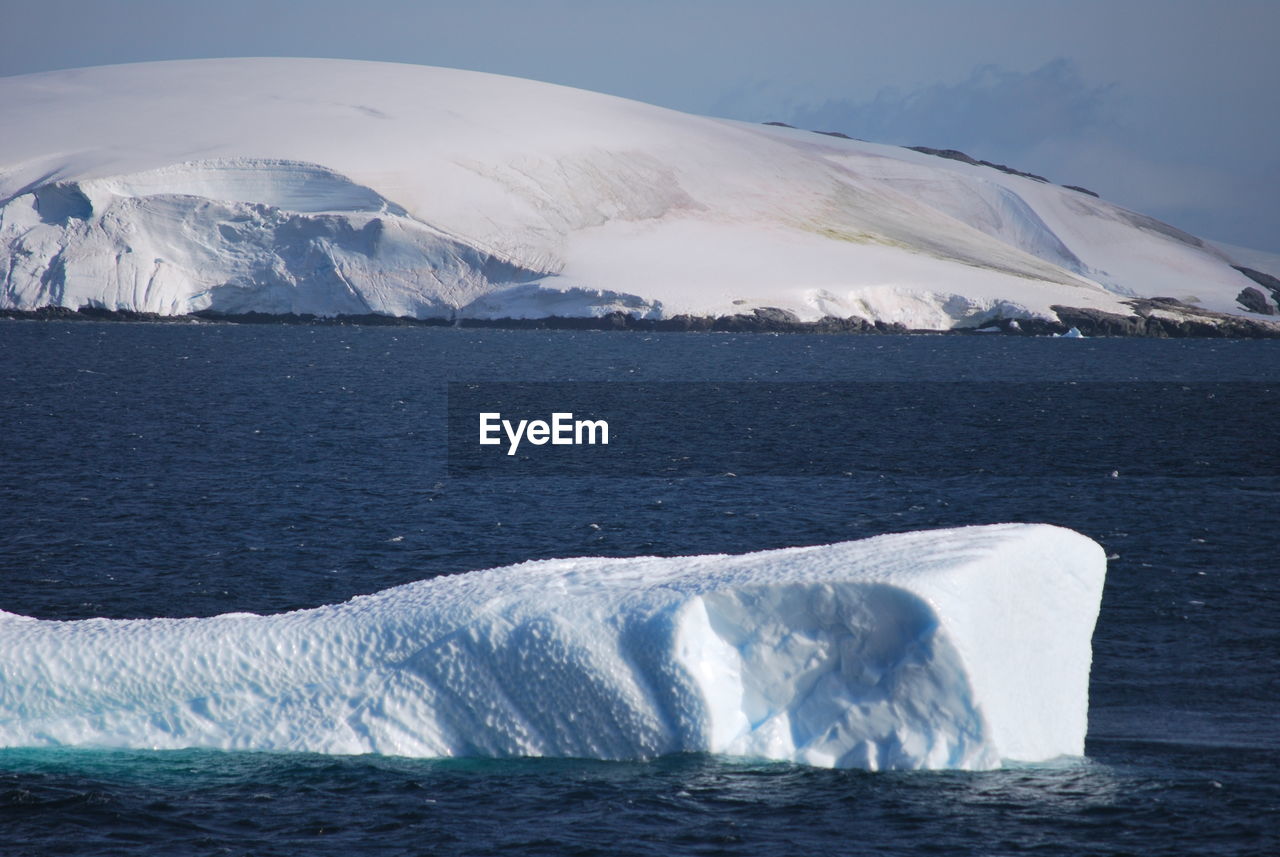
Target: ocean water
190	470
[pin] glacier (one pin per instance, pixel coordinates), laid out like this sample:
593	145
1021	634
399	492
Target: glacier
338	187
960	648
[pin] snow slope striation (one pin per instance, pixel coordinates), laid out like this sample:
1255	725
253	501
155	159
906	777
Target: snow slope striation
941	649
341	187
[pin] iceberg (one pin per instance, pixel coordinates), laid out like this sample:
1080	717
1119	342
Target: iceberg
958	648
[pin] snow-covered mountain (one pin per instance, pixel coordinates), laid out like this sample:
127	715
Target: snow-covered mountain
340	187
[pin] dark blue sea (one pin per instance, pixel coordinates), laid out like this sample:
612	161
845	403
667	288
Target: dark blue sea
189	470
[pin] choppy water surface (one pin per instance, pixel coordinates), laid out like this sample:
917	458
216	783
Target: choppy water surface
153	470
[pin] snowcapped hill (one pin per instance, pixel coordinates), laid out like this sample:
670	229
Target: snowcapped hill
339	187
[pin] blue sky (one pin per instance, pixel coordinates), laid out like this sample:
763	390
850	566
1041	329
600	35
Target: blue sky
1171	107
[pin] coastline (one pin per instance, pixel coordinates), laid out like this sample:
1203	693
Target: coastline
1157	318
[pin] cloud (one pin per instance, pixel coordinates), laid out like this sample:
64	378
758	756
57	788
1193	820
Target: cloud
995	112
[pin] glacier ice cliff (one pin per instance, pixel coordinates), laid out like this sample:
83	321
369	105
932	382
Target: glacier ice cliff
940	649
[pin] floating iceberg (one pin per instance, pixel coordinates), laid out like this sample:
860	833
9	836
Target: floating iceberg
943	649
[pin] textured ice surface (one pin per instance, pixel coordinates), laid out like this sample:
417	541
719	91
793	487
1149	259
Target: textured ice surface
941	649
333	186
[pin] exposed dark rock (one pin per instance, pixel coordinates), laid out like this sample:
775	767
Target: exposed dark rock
262	317
836	134
1093	322
949	154
1079	189
780	124
1020	327
957	155
87	313
760	320
1260	277
44	313
1166	317
1157	317
1255	301
1268	282
775	315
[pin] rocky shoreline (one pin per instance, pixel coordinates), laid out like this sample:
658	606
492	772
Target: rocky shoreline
1163	318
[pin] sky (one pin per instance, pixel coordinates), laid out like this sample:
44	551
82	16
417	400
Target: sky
1170	107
